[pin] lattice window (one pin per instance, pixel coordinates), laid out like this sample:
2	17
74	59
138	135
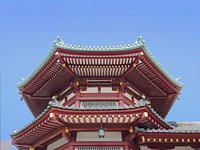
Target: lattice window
99	105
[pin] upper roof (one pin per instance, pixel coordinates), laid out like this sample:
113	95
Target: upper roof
58	43
133	62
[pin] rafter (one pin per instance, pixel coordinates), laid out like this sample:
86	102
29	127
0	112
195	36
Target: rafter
55	119
139	57
58	56
48	137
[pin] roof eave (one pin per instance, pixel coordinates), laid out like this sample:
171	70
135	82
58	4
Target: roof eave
160	67
60	44
44	61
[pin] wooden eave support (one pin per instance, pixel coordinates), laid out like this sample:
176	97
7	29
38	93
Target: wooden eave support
163	97
70	101
139	57
66	91
34	97
55	119
58	56
67	137
48	137
130	136
127	101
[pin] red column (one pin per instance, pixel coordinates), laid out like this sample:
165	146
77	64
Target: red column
133	100
77	104
121	103
70	147
126	147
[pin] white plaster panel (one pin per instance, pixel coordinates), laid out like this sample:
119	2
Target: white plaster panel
93	136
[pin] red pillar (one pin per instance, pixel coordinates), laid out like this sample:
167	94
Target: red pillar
121	103
126	147
70	147
77	104
133	100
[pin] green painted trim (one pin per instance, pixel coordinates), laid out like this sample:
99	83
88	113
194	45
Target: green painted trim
62	45
44	61
162	69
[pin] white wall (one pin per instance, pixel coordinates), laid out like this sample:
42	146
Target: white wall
93	136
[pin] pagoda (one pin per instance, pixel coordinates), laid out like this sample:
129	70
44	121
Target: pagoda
102	98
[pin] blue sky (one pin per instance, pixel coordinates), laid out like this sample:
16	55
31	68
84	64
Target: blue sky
170	28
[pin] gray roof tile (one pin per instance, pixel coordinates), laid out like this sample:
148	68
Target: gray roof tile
179	127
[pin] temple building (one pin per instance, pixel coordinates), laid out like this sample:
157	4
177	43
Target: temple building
102	98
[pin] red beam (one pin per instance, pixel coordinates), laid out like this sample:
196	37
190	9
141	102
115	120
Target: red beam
99	94
130	137
97	126
70	101
67	136
99	98
127	101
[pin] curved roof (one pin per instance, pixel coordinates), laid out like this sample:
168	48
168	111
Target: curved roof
133	62
138	44
52	107
178	127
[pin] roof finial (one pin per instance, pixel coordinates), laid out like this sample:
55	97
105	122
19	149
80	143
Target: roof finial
140	37
22	79
15	131
138	40
177	79
59	41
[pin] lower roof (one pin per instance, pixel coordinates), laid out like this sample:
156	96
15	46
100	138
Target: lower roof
179	127
183	134
56	118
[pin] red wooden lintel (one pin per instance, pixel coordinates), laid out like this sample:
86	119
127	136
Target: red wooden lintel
99	98
99	94
127	101
66	136
130	137
70	101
